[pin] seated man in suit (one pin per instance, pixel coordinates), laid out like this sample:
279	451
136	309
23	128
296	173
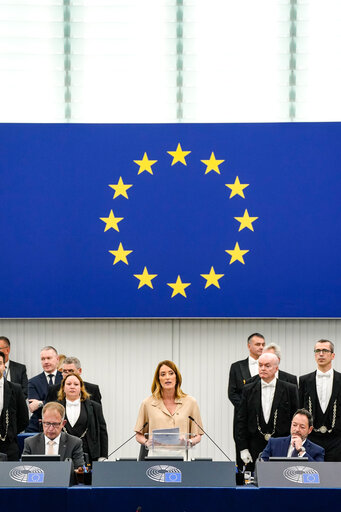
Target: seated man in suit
39	385
73	365
53	441
297	444
14	372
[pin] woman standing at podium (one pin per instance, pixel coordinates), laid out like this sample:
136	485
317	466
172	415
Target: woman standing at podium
168	407
84	417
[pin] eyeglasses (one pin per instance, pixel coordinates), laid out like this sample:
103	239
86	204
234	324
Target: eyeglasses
322	351
68	371
49	424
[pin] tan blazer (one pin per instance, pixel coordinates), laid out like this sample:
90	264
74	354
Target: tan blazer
155	412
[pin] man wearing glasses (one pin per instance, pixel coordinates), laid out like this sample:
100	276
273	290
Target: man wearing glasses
53	441
320	394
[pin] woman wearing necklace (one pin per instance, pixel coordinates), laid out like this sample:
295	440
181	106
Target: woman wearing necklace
84	417
168	407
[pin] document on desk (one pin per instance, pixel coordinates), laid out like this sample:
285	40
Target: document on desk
166	436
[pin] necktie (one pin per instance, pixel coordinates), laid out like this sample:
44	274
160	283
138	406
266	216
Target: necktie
50	379
50	450
5	373
294	453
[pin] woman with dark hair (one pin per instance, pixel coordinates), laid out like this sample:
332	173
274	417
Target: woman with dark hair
168	407
84	417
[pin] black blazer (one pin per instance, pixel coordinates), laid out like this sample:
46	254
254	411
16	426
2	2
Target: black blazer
15	405
97	435
92	389
38	388
18	375
285	401
308	395
239	375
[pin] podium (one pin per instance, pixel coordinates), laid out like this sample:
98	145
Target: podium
166	473
36	474
300	474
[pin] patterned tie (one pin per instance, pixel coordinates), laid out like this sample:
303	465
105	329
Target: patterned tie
50	379
294	453
50	450
5	372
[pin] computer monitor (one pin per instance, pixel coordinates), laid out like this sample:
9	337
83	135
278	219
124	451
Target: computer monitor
40	458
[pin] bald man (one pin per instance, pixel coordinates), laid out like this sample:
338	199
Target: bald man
265	411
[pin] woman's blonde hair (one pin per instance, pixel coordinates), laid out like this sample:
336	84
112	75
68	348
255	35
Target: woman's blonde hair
156	386
61	393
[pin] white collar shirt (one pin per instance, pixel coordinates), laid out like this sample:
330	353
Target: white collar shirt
268	393
53	377
73	410
253	366
291	449
324	387
55	445
8	370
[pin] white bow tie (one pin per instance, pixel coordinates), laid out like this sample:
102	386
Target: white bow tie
270	385
72	404
321	374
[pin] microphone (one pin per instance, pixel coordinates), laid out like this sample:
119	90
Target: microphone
127	441
210	438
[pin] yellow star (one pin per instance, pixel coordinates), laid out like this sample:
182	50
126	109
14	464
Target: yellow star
145	278
212	164
178	287
111	221
120	255
236	188
212	278
237	254
120	189
246	221
179	156
145	164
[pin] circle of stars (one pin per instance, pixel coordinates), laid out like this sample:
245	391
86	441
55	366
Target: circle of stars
179	157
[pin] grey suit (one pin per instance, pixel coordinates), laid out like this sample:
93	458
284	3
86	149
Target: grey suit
70	447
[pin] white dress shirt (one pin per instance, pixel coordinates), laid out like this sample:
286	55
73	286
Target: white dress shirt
53	376
55	445
268	392
73	410
324	386
8	371
1	394
291	449
253	366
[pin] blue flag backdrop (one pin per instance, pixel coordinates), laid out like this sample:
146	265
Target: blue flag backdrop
181	220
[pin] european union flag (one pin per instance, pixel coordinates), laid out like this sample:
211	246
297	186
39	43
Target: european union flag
35	478
173	477
311	478
170	220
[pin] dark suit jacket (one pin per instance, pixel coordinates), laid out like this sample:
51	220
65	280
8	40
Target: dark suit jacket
18	375
239	375
286	377
96	435
15	404
285	402
70	447
38	388
308	395
92	389
278	447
